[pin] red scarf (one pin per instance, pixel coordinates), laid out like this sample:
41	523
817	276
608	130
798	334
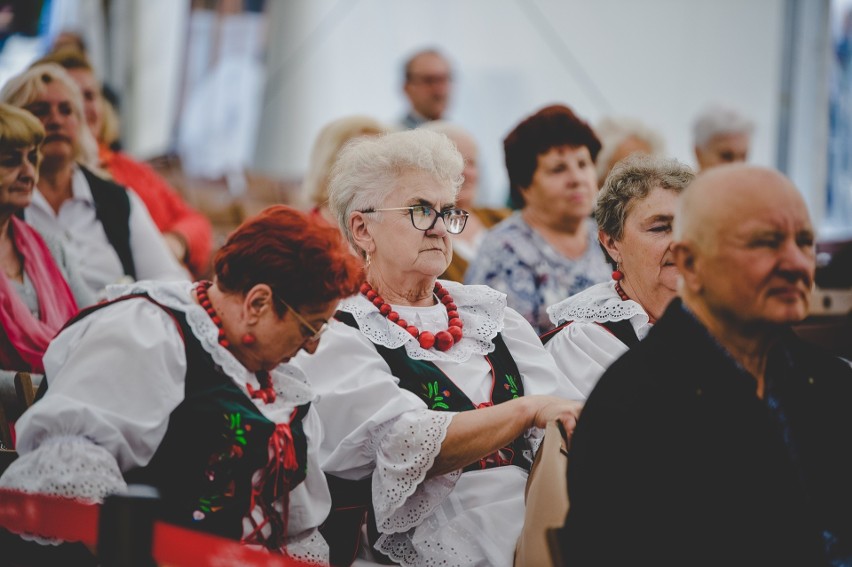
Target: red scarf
27	336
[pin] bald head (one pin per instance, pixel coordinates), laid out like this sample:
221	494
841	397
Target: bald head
716	197
744	246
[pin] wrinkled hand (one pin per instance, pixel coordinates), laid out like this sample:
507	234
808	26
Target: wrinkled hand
549	408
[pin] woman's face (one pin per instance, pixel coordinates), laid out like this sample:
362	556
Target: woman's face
400	250
563	186
644	251
18	176
280	338
55	109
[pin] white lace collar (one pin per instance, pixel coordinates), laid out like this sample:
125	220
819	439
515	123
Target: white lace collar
598	304
291	384
480	308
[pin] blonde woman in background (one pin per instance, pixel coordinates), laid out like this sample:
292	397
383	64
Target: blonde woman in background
466	243
105	228
328	143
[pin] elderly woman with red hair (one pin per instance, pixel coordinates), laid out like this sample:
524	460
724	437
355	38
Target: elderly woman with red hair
548	250
184	386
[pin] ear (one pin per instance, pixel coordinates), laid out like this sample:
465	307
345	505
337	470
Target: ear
360	230
258	300
610	245
687	264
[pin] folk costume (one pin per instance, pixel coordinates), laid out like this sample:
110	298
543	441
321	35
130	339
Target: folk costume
594	328
386	402
141	391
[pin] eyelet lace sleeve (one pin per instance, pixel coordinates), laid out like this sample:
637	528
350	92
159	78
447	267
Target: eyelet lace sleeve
401	495
309	547
71	467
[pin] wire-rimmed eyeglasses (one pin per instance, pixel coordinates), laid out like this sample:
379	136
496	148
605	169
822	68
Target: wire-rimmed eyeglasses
313	334
424	217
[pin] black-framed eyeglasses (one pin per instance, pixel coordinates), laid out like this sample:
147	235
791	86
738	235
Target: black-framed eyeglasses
313	334
424	217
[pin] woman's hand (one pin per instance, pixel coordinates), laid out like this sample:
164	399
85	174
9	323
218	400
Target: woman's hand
477	433
548	408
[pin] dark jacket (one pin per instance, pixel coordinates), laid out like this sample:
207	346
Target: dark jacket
676	461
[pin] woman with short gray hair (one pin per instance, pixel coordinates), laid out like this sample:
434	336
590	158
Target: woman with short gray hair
436	389
634	212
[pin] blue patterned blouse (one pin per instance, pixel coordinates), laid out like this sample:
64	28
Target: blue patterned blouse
516	260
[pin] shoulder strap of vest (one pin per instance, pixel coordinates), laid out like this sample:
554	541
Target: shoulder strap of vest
623	331
545	337
112	207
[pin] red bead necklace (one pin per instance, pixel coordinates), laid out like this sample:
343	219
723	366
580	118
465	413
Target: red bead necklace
442	340
266	391
624	297
620	292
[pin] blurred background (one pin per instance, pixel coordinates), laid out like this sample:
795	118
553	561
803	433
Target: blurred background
225	97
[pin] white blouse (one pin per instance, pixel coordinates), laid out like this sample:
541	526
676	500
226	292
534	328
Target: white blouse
584	349
77	227
374	426
113	386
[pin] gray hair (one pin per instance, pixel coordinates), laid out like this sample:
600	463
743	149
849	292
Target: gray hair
25	88
367	169
613	131
632	179
718	119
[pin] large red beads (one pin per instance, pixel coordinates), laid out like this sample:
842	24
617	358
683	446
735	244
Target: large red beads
443	340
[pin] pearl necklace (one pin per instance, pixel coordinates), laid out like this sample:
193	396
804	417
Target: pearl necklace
442	340
266	391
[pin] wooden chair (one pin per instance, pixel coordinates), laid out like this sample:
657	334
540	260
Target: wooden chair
25	389
17	393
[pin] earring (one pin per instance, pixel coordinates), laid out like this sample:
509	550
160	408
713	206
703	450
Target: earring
617	274
248	339
366	259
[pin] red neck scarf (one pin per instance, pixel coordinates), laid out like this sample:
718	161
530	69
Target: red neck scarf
28	337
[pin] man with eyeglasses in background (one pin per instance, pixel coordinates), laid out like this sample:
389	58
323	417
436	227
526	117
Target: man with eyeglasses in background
428	81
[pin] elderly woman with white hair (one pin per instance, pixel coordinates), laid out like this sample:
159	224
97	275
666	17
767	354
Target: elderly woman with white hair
621	137
436	389
105	227
721	135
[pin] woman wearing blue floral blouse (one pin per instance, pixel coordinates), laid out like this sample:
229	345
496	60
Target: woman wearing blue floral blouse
548	250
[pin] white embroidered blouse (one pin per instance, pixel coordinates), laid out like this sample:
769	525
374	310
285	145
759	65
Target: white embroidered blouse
372	426
90	427
584	349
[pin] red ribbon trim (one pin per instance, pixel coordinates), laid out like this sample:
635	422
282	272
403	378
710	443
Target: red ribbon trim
70	520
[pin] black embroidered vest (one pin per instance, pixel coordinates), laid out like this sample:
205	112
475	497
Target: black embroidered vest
440	393
216	441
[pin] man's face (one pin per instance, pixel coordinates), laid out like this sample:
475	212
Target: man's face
757	267
722	149
428	85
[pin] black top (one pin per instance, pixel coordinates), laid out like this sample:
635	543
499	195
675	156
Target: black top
676	461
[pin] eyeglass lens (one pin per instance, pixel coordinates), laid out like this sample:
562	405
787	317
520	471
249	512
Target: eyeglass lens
425	218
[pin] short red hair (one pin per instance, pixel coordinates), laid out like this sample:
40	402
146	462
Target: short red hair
305	262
